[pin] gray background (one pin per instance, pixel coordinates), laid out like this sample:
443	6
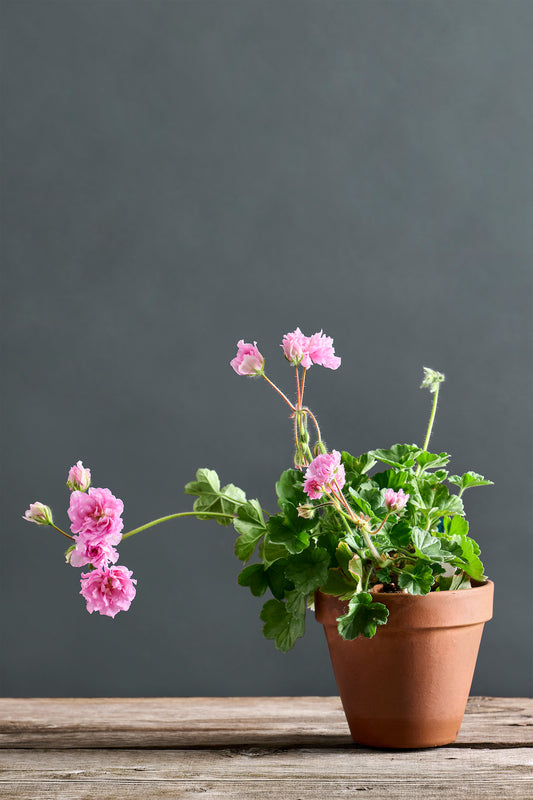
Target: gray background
177	175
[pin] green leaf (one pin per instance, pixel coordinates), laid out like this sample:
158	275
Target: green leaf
437	501
356	568
469	480
277	581
212	498
467	557
281	532
399	455
338	583
400	534
456	526
308	570
426	546
432	478
432	460
362	618
344	555
284	621
251	527
383	575
361	504
429	547
207	481
393	479
460	581
289	488
361	464
382	543
254	576
417	579
271	552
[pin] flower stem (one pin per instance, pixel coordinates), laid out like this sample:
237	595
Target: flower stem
382	524
308	411
213	514
302	386
431	418
279	392
60	531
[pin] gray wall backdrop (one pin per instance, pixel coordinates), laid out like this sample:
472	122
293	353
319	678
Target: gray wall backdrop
177	175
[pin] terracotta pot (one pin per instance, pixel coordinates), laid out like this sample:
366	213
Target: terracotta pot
408	685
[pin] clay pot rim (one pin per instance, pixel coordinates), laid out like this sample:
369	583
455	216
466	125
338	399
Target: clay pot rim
458	607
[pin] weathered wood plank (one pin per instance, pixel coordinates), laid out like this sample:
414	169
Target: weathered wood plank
293	774
65	723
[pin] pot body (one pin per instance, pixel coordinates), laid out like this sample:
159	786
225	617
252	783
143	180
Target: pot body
407	687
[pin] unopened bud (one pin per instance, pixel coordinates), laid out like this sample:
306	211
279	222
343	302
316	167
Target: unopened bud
319	449
300	460
432	378
307	511
79	478
39	513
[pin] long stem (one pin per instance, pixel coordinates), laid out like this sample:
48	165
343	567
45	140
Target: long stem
302	386
279	392
298	398
382	524
432	418
60	531
308	411
174	516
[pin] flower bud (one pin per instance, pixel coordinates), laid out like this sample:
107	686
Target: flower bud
395	501
432	378
307	511
39	513
300	460
79	478
248	360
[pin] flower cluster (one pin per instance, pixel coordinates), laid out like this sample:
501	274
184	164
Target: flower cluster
309	350
96	524
324	475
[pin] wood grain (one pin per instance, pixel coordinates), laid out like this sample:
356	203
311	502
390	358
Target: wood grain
284	774
221	722
284	748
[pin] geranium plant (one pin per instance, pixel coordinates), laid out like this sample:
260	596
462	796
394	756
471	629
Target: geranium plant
343	526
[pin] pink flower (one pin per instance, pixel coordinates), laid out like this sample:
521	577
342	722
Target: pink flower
295	346
97	512
395	501
88	550
248	360
79	477
321	351
108	590
323	474
39	513
309	350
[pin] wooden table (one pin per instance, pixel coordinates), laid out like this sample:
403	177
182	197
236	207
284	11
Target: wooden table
295	748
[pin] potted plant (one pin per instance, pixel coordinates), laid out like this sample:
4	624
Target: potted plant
377	544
